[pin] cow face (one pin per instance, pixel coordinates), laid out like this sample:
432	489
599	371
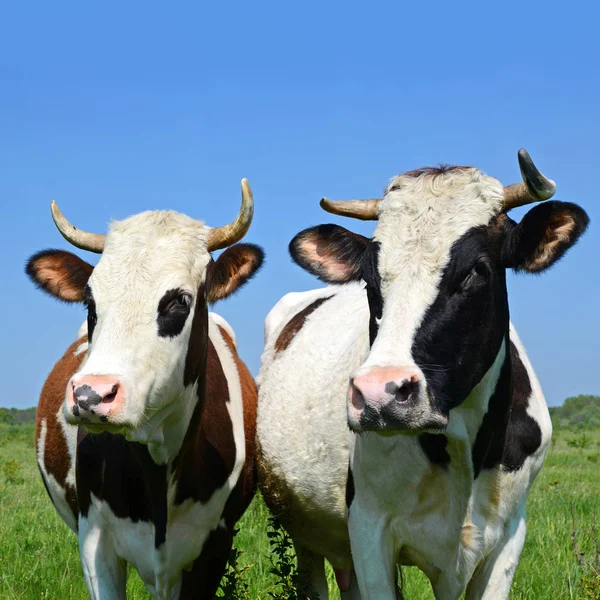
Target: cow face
436	286
147	315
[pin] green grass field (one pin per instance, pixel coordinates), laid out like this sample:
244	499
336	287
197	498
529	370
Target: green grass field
39	556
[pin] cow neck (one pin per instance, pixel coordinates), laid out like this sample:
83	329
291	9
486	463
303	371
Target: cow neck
481	420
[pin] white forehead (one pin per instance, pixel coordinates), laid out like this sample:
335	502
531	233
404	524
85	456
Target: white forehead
422	216
153	248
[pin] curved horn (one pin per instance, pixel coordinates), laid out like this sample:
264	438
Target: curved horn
94	242
365	210
221	237
534	187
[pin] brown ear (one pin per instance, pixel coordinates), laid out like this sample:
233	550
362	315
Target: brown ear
236	266
60	274
544	234
330	252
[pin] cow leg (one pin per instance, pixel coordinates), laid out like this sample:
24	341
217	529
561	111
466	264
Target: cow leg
202	582
104	572
372	554
311	571
493	577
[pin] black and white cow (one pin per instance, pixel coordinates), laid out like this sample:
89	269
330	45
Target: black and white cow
146	426
412	347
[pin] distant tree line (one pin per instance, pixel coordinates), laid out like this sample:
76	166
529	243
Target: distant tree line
577	412
16	416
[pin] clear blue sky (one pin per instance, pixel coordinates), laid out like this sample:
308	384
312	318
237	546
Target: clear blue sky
114	108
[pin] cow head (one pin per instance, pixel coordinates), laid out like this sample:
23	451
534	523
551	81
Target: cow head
436	285
147	309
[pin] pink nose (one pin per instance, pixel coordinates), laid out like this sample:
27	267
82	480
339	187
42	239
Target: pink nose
380	385
95	397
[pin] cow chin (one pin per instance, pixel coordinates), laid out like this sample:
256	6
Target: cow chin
395	418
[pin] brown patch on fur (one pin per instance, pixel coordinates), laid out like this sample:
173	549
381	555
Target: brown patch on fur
56	456
273	488
247	484
60	274
196	353
466	535
207	455
295	324
495	492
432	493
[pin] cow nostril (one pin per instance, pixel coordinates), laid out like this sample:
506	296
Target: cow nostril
405	390
358	400
113	394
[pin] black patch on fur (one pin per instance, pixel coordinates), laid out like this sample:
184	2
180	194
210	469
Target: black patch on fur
202	582
370	273
490	440
92	316
523	435
350	491
435	448
333	244
123	475
462	331
173	310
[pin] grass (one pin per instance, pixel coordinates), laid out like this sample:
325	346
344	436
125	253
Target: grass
39	557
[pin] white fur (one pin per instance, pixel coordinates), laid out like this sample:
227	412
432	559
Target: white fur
189	523
145	256
418	223
305	441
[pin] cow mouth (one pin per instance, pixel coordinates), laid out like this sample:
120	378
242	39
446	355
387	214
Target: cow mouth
398	418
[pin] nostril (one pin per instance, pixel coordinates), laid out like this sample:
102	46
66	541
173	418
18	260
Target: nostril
405	390
113	394
356	397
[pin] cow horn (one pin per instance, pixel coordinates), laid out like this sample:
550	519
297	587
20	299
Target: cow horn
221	237
94	242
365	210
534	187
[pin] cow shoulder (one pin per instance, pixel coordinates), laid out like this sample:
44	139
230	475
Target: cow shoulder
52	444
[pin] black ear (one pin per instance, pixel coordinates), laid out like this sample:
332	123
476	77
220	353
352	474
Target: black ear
234	267
544	234
60	274
330	252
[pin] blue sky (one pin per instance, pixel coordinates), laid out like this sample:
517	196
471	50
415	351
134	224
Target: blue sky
112	109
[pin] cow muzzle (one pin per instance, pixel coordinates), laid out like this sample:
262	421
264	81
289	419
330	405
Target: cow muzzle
96	399
391	400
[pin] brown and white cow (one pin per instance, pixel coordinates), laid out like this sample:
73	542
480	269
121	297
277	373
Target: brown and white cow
411	348
146	426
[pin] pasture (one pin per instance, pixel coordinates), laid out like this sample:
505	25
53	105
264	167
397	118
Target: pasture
561	560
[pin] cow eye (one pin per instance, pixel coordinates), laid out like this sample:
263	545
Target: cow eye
180	303
478	275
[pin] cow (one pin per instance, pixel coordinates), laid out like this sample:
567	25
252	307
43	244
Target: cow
400	421
146	426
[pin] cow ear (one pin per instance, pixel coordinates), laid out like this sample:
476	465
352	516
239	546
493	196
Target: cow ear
544	234
330	252
60	274
234	268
